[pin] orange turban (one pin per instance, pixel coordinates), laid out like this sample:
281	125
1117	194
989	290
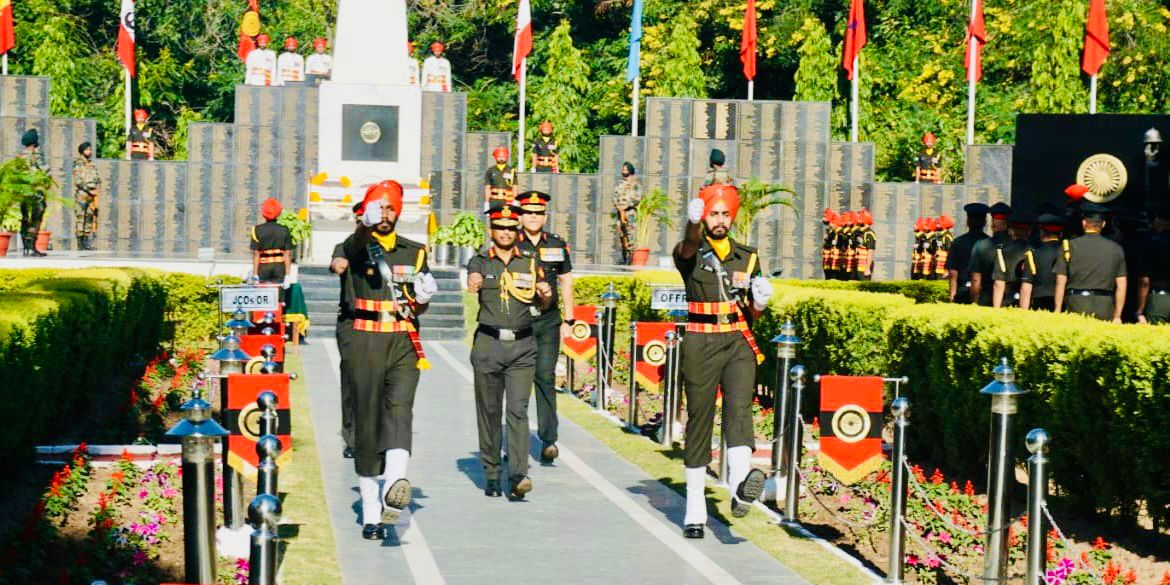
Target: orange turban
270	209
712	194
1076	191
388	189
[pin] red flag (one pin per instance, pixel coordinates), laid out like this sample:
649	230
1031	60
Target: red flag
855	38
125	46
976	38
7	27
747	45
1096	38
523	45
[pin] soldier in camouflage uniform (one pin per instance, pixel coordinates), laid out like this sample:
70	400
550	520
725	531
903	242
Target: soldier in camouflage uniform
87	185
715	174
626	196
32	207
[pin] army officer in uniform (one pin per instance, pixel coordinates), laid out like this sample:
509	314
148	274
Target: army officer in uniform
1090	270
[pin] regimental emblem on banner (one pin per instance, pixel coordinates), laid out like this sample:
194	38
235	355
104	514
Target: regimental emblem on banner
851	426
242	419
650	353
581	344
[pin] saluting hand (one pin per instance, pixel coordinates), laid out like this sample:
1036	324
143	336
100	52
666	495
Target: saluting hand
695	210
474	282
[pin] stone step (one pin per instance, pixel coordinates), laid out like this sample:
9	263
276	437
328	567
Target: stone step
442	334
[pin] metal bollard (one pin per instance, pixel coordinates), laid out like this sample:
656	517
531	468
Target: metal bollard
267	473
198	433
1037	443
267	402
1004	404
570	366
900	408
786	344
231	361
795	431
264	514
669	390
239	323
632	417
606	324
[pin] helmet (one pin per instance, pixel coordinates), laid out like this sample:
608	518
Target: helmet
262	38
437	47
500	153
140	115
929	139
291	44
546	127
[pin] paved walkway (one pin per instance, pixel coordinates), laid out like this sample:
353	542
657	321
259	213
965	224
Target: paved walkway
592	517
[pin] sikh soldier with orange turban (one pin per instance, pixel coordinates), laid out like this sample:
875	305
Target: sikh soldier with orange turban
392	286
271	246
726	290
865	243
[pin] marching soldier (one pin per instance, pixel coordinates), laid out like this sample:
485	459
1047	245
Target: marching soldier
260	66
1154	299
552	251
544	151
510	284
499	182
392	286
271	246
942	249
140	140
725	292
715	173
32	207
1090	270
344	333
626	196
1038	282
959	256
983	254
1009	261
412	66
865	241
290	65
436	70
828	221
319	64
87	186
928	163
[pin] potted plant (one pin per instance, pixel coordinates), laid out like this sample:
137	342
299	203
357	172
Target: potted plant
299	228
755	197
9	225
653	209
467	235
443	245
18	181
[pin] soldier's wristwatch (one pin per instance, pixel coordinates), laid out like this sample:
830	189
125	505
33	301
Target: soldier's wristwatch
570	321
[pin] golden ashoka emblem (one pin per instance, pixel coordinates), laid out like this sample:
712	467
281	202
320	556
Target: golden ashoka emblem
851	423
655	353
371	132
248	422
1104	175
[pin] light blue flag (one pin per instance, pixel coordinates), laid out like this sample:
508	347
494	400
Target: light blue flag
634	64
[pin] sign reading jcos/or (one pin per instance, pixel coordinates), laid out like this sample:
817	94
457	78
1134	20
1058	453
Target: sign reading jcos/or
249	298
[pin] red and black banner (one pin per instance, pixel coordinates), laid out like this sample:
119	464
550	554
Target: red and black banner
241	417
581	344
851	426
252	344
650	353
277	324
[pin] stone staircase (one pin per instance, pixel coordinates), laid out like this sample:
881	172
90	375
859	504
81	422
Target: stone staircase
443	320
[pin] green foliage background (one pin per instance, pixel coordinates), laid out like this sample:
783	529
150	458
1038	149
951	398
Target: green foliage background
912	79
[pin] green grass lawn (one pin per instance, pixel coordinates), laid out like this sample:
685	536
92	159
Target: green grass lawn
807	558
309	553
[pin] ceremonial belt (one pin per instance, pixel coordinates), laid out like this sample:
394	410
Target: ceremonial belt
378	316
273	256
139	147
928	174
1089	292
375	306
863	260
372	326
727	317
504	193
545	161
504	334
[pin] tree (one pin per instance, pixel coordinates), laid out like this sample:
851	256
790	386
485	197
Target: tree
816	77
674	68
560	96
1055	83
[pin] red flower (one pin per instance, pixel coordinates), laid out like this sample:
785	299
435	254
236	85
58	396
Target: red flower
126	458
918	474
1100	544
1130	577
1085	558
816	422
968	489
954	488
1112	571
937	477
1165	579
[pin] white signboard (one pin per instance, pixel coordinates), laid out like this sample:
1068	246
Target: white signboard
249	298
668	298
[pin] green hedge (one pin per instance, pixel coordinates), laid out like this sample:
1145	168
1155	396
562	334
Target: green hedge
1101	390
64	333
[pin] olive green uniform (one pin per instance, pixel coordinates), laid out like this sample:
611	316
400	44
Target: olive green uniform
1092	264
1009	269
553	253
1040	271
344	333
626	196
87	184
500	179
983	263
545	149
383	363
272	240
1158	303
724	358
503	355
140	139
717	176
32	208
959	259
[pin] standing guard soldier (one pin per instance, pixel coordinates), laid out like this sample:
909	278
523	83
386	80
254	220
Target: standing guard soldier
413	77
1038	282
290	66
510	284
87	186
544	151
942	250
837	256
32	206
260	66
715	173
930	236
436	70
828	222
1090	270
928	163
271	246
866	244
626	196
848	246
552	251
725	292
1154	299
1009	261
140	140
959	256
319	64
918	258
499	182
392	286
983	254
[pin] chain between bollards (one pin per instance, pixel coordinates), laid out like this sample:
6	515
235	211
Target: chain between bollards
1037	443
795	431
900	408
1004	405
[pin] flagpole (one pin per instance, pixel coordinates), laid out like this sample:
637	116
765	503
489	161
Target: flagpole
4	64
126	75
853	91
971	77
751	89
634	113
1093	94
523	114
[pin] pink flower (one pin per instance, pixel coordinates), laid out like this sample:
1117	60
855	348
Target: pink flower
932	562
170	493
912	560
944	537
142	494
845	498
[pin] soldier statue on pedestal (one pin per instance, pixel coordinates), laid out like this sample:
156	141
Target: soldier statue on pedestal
928	163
